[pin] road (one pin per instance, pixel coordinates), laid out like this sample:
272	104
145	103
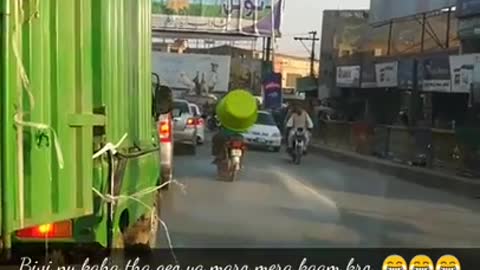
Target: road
321	203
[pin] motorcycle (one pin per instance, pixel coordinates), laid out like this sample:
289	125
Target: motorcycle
299	139
230	167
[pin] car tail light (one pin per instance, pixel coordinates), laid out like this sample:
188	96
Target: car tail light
54	230
165	131
200	122
191	122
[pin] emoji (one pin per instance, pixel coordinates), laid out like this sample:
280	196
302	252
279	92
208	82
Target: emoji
421	262
448	262
394	262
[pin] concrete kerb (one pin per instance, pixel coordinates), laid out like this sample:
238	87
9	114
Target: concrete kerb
425	177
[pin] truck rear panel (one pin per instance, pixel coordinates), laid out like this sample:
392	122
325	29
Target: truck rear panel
46	109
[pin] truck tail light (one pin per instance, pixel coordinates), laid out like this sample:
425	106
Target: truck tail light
54	230
165	131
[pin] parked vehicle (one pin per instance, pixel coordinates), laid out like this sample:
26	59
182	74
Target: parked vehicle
185	125
265	133
229	167
299	139
200	123
72	134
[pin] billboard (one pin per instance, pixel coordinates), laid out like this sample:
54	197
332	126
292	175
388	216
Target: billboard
343	31
369	79
405	73
386	10
387	74
247	17
348	76
461	70
467	8
196	73
272	91
246	73
434	74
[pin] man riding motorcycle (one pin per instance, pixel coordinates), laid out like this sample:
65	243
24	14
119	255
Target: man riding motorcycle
298	119
237	113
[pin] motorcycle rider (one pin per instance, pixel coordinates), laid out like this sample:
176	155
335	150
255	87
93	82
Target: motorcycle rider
298	119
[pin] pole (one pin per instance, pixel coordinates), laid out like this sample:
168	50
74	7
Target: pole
268	49
390	30
424	20
447	39
313	38
312	59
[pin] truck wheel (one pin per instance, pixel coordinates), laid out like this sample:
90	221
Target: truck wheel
143	233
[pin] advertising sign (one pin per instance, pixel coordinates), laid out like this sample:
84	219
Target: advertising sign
405	73
461	70
434	74
386	10
249	17
347	30
246	74
348	76
272	91
387	74
469	28
369	79
196	73
467	8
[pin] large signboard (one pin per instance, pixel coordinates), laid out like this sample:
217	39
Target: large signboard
272	91
386	10
196	73
369	79
467	8
434	74
246	74
406	71
248	17
461	70
348	76
387	74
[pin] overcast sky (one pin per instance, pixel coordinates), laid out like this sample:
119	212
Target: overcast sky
303	16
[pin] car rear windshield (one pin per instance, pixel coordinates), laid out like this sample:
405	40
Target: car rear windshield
265	119
182	106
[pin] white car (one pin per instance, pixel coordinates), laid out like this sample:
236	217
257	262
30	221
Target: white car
200	122
264	133
184	130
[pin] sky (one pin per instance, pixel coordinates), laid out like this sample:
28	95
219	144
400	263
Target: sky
303	16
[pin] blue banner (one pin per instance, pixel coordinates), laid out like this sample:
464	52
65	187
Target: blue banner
272	91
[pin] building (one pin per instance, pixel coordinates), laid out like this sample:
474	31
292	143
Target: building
342	35
293	68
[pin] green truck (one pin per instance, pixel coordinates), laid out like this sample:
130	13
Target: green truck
75	81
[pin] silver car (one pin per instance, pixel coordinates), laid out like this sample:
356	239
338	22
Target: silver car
184	125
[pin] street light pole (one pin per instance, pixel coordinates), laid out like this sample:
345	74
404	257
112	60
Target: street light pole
313	38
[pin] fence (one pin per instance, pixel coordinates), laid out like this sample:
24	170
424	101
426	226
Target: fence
433	148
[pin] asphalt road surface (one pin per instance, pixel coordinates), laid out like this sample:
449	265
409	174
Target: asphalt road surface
321	203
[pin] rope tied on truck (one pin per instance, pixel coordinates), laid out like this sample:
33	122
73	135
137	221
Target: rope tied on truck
111	149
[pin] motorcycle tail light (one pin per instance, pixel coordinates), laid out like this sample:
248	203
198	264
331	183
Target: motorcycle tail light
237	144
